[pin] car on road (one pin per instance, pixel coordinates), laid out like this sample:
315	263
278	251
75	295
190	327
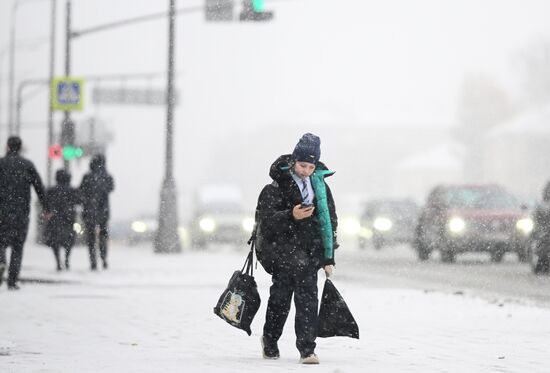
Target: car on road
387	222
143	229
472	218
220	217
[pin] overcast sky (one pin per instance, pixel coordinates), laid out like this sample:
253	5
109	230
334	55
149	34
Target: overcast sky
319	64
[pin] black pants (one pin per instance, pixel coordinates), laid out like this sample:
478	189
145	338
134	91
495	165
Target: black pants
67	250
543	262
302	282
16	257
93	238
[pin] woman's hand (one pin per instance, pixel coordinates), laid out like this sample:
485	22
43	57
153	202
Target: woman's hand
328	270
301	213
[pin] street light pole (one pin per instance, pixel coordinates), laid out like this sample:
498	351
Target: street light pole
67	127
11	73
11	77
52	73
167	240
2	54
19	101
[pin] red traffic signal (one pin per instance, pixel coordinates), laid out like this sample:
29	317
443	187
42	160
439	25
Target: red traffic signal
55	151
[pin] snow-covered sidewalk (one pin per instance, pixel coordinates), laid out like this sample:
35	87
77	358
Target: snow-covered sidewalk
153	313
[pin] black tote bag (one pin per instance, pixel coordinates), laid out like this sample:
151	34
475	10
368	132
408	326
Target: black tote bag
240	301
335	318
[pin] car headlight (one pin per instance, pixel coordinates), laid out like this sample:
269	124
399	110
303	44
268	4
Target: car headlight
351	226
365	233
139	227
457	225
77	228
525	225
248	225
382	224
207	225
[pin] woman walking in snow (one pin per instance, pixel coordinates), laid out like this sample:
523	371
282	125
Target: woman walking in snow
59	232
297	220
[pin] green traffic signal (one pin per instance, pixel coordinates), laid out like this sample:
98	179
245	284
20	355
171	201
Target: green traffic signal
72	152
253	10
258	5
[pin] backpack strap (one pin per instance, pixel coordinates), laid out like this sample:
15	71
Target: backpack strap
252	238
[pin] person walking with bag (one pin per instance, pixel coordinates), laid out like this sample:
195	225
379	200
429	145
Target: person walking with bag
541	233
297	220
59	232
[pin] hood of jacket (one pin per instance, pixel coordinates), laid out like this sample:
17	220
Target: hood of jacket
280	169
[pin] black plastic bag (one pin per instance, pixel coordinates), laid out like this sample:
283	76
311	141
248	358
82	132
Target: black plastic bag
240	301
335	318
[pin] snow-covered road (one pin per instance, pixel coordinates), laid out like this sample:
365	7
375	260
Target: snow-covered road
153	313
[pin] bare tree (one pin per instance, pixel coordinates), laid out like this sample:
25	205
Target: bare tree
483	104
534	65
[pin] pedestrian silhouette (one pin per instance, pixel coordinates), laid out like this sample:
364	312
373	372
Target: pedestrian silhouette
541	233
59	232
17	175
94	190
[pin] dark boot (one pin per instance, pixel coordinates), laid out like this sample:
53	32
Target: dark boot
270	350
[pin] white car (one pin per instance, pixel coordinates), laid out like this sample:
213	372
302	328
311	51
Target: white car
220	217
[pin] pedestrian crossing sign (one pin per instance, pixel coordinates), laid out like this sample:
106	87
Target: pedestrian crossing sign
67	94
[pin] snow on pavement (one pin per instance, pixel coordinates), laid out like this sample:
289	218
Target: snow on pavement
153	313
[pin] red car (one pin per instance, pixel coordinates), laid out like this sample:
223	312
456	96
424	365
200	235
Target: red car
472	218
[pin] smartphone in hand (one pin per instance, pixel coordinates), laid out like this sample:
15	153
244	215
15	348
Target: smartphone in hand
304	205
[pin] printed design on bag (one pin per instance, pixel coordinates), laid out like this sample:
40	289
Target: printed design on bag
233	307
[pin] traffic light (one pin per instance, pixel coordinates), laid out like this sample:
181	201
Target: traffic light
72	152
55	151
258	5
218	10
253	10
66	152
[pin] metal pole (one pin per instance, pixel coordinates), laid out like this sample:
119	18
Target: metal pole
167	240
11	78
19	101
50	108
18	109
67	127
170	94
2	53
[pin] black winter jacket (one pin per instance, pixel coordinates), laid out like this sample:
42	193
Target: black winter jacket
95	188
297	242
59	228
17	175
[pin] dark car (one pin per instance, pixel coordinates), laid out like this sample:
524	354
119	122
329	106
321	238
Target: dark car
387	222
472	218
